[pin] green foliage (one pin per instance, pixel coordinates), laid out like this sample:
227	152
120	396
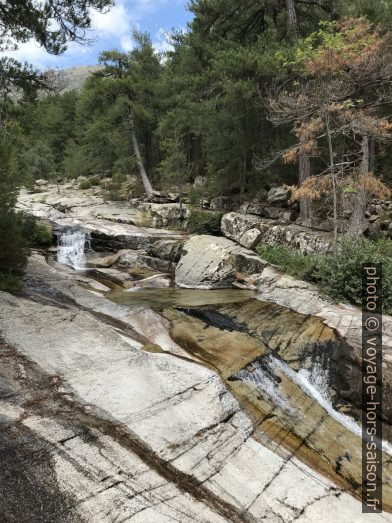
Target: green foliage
204	222
43	236
52	23
13	245
89	182
114	188
10	282
339	273
303	267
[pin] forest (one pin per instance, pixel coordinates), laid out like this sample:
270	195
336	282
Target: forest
251	95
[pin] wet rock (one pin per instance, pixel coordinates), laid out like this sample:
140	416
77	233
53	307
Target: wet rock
132	259
155	282
140	423
111	276
110	225
345	319
107	261
212	262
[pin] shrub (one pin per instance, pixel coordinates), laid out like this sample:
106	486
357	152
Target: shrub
88	183
339	273
300	266
35	233
201	222
43	236
10	282
85	184
13	242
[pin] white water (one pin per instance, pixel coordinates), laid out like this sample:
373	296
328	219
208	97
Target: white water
317	377
315	383
322	397
71	249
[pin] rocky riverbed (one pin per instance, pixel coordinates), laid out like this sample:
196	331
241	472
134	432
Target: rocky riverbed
225	391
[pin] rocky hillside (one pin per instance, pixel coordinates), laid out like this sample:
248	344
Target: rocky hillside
73	78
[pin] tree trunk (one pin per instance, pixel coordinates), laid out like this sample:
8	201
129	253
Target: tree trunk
333	178
146	182
372	159
292	19
305	205
357	223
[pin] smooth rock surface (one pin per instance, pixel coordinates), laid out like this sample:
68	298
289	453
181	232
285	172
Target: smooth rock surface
110	225
132	437
212	262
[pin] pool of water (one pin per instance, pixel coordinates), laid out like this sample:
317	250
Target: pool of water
174	297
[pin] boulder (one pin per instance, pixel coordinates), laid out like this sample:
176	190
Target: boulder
41	183
244	229
200	182
137	259
163	215
280	213
112	276
169	250
272	212
106	261
279	195
249	231
212	262
158	281
256	208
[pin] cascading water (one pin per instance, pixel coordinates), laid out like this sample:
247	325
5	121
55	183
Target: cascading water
314	382
318	377
71	249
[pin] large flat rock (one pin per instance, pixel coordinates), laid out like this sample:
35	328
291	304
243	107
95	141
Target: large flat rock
128	434
212	262
110	224
164	424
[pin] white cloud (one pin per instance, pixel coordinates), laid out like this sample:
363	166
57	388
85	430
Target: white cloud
32	53
161	42
112	29
127	43
115	22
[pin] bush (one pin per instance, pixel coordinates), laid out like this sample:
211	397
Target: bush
88	183
14	248
43	236
200	222
35	233
300	266
10	282
340	273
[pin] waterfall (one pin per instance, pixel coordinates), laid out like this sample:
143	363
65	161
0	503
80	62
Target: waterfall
315	383
71	249
318	377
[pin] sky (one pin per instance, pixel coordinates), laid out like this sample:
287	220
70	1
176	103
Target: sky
113	30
